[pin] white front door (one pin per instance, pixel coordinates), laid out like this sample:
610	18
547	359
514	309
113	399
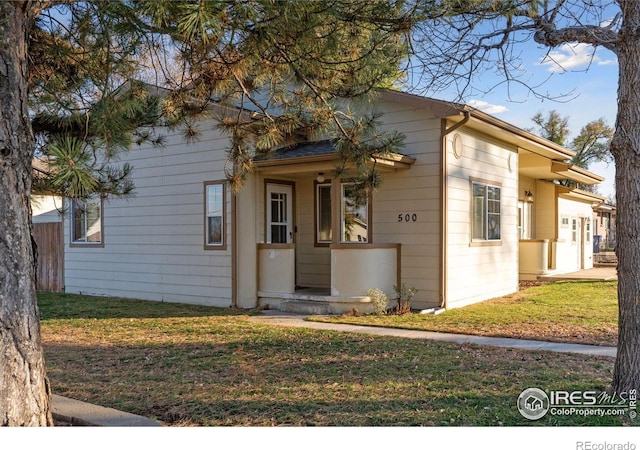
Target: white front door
576	238
279	213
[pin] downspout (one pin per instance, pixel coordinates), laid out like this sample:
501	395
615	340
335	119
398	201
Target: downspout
234	251
445	203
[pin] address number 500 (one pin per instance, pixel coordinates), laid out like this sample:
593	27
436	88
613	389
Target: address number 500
407	217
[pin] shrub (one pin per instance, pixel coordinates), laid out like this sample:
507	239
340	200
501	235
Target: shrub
404	295
379	299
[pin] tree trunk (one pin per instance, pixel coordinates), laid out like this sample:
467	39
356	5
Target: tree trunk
24	389
626	150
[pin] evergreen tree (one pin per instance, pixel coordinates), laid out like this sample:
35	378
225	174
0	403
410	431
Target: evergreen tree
277	73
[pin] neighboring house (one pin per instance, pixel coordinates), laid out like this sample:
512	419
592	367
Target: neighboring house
468	209
604	221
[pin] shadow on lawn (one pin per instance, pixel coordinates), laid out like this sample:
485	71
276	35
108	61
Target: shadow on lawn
236	373
54	305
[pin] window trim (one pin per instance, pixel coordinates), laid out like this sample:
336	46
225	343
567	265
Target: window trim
85	244
477	242
223	244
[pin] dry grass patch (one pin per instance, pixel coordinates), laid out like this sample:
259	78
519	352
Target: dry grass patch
196	366
578	312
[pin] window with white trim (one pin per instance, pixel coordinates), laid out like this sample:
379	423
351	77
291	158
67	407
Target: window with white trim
486	214
86	221
214	215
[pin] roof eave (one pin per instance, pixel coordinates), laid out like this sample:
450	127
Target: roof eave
580	195
575	173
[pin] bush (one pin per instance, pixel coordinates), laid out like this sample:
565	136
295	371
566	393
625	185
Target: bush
379	299
404	295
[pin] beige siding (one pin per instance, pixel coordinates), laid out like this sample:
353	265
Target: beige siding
416	193
545	212
313	264
154	242
479	272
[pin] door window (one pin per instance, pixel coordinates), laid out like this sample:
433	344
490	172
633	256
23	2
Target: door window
279	214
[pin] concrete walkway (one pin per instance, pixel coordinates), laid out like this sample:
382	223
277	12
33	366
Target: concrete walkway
600	273
294	320
77	413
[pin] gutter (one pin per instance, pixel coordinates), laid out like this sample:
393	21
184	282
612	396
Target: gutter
445	203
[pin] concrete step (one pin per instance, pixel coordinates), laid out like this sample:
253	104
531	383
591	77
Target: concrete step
305	307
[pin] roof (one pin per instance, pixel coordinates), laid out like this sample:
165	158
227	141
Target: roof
580	195
482	121
322	155
308	149
539	157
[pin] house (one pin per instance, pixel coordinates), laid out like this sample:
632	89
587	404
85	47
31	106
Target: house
604	226
468	209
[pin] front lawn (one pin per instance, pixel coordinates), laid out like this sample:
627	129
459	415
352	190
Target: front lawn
198	366
584	312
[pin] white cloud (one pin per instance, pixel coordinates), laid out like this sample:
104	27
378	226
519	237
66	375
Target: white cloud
573	56
487	107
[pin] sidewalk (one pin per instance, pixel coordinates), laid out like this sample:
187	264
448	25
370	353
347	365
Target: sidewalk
274	317
598	273
82	414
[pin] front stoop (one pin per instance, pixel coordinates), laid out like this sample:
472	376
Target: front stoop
314	304
305	307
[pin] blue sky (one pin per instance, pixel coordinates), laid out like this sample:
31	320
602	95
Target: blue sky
590	78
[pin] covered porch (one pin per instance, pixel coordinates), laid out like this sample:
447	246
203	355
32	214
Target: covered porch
554	220
317	252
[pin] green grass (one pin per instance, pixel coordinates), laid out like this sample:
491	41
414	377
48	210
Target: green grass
198	366
580	312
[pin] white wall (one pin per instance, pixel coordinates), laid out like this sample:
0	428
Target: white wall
46	208
480	272
569	251
154	242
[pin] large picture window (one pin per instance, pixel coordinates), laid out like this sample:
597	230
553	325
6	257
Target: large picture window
485	222
354	213
86	221
354	222
214	215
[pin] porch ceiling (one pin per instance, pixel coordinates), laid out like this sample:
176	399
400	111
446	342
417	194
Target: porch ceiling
541	168
322	156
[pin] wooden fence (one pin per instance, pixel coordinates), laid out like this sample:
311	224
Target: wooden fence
50	271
